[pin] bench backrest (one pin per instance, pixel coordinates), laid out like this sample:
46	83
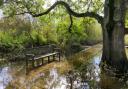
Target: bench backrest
40	50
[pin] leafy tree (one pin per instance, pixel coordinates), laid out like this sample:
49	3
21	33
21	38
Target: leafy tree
1	2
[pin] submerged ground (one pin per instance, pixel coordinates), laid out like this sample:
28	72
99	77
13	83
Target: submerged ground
80	71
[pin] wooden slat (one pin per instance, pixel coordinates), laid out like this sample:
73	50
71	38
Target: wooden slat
126	46
43	56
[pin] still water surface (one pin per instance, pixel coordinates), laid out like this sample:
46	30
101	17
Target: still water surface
84	73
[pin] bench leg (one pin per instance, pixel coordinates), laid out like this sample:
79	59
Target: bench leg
26	66
53	57
48	59
42	61
33	63
59	56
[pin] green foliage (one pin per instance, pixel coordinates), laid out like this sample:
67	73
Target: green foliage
10	42
1	2
50	29
66	39
126	39
126	20
84	30
94	33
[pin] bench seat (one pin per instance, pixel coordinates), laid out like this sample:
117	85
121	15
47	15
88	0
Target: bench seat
42	56
36	57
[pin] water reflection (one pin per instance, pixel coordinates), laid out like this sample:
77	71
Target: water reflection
75	79
87	76
5	77
55	81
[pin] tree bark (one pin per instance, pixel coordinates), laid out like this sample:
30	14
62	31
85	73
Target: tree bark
113	35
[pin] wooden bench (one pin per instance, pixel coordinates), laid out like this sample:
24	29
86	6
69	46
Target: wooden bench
32	57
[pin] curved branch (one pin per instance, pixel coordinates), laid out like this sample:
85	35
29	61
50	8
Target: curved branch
71	12
71	23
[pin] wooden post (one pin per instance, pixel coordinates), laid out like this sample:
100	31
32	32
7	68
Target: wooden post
33	62
26	65
26	62
53	57
42	61
59	56
48	59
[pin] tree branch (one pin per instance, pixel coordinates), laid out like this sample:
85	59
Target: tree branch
71	12
71	23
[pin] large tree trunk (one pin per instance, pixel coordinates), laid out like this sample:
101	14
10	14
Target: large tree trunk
113	35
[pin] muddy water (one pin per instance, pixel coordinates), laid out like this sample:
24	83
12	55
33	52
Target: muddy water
81	71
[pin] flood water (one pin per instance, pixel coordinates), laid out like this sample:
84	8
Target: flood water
81	71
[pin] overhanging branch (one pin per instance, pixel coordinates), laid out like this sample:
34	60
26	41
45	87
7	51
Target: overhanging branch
71	12
71	23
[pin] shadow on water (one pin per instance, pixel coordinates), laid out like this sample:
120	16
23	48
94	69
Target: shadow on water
81	71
